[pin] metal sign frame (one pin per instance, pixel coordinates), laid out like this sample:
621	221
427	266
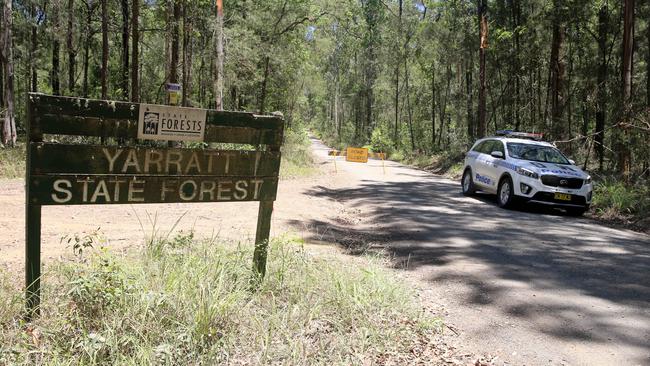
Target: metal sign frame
65	174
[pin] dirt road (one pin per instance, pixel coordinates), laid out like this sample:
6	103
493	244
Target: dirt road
530	287
526	287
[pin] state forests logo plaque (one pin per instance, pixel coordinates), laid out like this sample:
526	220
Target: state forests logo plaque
160	122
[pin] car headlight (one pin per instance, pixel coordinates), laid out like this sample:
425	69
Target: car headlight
528	173
588	180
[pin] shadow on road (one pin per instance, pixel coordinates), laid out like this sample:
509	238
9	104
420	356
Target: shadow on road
426	224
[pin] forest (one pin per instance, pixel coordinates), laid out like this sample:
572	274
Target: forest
403	77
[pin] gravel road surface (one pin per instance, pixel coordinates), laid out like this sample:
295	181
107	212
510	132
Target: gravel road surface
527	286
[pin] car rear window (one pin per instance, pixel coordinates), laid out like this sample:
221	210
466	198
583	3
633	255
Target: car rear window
487	146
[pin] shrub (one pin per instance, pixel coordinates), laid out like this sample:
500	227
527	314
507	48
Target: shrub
381	142
193	304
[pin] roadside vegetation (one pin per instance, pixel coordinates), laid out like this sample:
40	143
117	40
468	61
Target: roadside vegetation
12	162
620	204
297	159
189	301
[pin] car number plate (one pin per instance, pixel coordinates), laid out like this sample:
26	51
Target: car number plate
563	196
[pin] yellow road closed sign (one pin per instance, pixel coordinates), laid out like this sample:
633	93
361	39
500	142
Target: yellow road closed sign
357	155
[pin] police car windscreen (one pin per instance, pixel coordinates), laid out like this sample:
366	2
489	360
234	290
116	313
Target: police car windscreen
532	152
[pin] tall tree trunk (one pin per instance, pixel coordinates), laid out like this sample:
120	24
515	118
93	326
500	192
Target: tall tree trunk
125	50
516	18
104	70
218	83
433	105
70	48
624	153
262	101
408	103
173	67
90	9
470	101
557	73
135	43
187	54
2	68
483	34
601	95
336	109
397	63
32	50
647	59
56	47
443	105
6	48
396	126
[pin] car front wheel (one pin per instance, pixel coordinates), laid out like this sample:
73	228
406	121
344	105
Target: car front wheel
577	211
506	193
468	183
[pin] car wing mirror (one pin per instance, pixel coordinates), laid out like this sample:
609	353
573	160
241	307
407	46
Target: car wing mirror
497	154
572	162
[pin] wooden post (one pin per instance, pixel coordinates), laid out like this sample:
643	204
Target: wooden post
32	224
264	224
262	238
33	260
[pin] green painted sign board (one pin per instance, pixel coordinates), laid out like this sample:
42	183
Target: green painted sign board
74	174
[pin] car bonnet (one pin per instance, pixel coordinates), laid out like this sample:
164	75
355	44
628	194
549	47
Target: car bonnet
564	170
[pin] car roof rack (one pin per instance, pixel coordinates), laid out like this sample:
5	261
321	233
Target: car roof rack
521	135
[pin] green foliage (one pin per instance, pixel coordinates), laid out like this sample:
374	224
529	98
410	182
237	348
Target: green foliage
615	199
380	142
85	241
193	304
297	159
12	162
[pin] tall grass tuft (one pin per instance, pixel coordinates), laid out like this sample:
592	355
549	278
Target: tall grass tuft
615	200
192	303
12	161
297	159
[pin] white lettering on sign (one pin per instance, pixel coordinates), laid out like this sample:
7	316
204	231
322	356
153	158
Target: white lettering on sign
59	189
119	189
161	122
152	161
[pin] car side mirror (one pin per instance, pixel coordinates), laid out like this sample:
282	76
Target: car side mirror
497	154
572	162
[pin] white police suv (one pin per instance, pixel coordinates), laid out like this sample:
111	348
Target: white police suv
517	166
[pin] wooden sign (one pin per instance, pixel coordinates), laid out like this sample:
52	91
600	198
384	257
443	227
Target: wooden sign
357	155
72	174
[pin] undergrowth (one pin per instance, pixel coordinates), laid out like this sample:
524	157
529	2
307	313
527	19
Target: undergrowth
12	162
297	159
190	302
615	201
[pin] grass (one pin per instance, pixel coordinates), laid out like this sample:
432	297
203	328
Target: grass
297	159
617	202
448	164
12	162
188	301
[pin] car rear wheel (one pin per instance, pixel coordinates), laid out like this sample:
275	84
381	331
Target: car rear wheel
506	193
467	183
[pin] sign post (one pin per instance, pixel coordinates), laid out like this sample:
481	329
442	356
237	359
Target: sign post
357	155
74	174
